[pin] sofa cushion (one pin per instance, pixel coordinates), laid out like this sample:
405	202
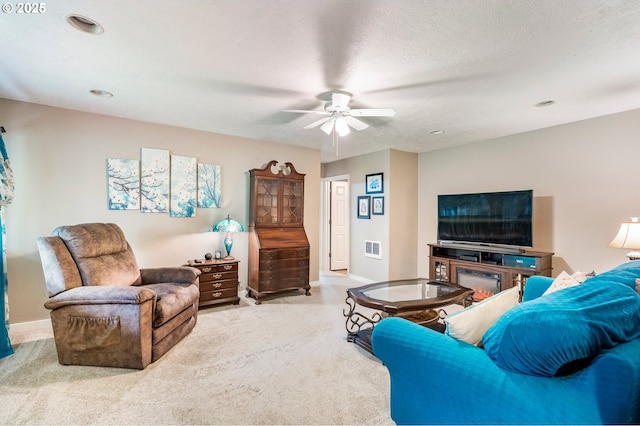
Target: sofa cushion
564	280
173	298
543	336
471	323
625	274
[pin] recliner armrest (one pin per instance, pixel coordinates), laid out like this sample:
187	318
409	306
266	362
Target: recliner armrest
176	274
101	295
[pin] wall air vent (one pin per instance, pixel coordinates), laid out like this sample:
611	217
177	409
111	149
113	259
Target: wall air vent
373	249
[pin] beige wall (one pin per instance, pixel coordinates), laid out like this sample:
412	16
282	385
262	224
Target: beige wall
402	207
584	176
399	245
59	161
376	228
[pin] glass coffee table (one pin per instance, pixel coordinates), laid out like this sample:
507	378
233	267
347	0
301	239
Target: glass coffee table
416	299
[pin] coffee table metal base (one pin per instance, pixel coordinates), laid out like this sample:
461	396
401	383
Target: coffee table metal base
360	326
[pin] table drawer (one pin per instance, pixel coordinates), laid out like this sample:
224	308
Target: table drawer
275	254
218	276
207	269
284	274
278	284
270	265
206	296
217	285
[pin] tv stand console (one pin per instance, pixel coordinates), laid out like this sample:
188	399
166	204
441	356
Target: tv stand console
487	270
481	247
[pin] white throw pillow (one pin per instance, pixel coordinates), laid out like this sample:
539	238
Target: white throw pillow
564	280
470	324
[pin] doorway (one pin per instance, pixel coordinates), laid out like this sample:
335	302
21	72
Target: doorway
336	213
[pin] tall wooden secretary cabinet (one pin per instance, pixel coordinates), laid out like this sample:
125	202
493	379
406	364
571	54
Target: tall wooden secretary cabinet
278	245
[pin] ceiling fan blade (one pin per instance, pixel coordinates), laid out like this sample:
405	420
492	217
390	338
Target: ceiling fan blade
306	111
340	100
327	127
355	123
373	112
317	123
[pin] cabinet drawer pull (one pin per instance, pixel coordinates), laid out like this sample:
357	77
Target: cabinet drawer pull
217	285
206	269
227	267
217	276
217	294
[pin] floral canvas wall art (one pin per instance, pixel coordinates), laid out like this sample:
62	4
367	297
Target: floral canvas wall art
154	180
208	186
183	186
123	177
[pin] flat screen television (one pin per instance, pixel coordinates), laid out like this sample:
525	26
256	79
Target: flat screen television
491	218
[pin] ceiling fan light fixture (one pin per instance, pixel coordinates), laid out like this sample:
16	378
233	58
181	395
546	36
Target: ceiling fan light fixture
340	118
85	24
342	127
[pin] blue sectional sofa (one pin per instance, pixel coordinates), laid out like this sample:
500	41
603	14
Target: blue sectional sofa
569	357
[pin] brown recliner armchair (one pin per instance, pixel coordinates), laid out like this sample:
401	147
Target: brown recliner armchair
105	311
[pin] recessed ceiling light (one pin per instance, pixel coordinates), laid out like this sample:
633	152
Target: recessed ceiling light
544	103
101	93
437	132
85	24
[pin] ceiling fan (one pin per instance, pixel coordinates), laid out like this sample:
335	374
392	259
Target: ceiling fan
339	117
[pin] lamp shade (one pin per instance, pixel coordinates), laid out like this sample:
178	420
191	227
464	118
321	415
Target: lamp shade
228	225
628	237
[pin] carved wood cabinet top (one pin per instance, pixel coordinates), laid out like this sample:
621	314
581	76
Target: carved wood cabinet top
287	170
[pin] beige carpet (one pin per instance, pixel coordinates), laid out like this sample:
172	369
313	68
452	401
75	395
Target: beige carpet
285	361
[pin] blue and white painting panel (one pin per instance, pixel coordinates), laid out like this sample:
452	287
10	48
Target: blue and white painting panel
208	186
154	180
183	186
124	184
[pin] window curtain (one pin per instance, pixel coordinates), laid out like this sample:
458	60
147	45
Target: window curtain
6	197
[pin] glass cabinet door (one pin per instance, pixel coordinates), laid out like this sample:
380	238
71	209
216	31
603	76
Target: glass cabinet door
266	201
292	202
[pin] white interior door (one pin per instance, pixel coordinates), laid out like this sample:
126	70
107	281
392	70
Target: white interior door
339	226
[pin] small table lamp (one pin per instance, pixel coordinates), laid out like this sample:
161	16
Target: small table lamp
628	237
228	225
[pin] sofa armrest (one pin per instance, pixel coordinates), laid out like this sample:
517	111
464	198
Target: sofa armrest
436	379
175	274
535	286
101	295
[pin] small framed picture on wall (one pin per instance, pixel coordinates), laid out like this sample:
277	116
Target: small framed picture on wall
377	205
374	184
364	207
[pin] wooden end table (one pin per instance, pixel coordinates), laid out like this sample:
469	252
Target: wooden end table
218	281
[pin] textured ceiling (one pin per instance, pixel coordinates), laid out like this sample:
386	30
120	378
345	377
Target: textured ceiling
473	68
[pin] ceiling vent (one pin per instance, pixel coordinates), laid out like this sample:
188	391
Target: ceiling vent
373	249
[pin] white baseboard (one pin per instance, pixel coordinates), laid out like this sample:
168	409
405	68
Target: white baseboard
361	279
21	327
